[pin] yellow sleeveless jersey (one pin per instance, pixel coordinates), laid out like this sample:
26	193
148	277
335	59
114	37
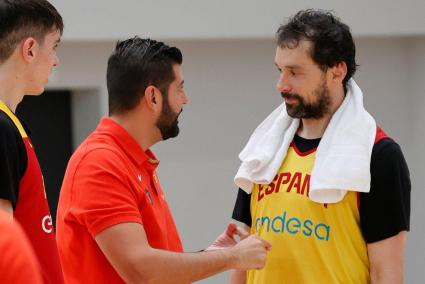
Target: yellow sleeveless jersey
311	242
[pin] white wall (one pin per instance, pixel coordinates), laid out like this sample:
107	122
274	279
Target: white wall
230	84
82	69
415	135
204	19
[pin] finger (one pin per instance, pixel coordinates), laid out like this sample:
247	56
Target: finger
267	245
230	230
242	233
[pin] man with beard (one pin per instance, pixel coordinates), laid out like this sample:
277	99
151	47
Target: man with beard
330	219
113	223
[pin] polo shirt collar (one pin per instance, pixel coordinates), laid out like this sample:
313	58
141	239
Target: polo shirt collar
128	144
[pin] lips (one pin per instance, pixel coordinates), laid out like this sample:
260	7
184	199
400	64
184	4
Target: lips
290	100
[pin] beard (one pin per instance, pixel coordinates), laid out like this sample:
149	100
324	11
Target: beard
167	122
316	109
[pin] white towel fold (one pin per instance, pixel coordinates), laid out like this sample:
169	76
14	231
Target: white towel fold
342	159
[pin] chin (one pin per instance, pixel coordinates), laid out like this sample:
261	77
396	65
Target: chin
35	91
35	94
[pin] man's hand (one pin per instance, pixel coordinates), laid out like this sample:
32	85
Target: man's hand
227	238
251	253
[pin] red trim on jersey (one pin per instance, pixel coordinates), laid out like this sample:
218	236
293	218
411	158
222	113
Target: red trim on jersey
302	154
380	134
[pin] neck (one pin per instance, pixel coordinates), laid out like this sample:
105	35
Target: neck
315	128
140	127
11	87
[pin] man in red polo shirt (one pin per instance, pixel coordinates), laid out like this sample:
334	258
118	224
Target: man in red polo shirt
113	222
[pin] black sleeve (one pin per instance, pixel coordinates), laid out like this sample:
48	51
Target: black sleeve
385	210
242	211
13	159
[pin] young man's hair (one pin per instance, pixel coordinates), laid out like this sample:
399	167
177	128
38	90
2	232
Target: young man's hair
331	40
136	64
20	19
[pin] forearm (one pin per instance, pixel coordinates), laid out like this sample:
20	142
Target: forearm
159	266
237	276
127	249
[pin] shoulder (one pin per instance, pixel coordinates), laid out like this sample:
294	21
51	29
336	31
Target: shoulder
385	147
106	154
387	156
91	158
7	127
11	142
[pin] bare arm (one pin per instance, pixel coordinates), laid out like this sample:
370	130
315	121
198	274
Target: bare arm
127	249
386	259
6	206
238	276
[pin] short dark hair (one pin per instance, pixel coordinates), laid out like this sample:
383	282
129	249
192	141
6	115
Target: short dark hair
136	64
20	19
332	42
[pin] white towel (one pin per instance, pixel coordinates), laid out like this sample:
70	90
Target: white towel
342	159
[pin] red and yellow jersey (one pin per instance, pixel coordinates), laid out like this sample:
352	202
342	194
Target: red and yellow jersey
299	229
24	187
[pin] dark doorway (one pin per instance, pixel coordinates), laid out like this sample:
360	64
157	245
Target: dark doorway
49	119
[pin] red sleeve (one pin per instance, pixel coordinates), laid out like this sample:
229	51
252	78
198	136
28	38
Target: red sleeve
102	192
17	260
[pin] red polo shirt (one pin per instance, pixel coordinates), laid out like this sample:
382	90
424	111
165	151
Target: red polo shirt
109	180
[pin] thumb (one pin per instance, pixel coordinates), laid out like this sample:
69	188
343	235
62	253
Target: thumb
230	230
267	245
242	233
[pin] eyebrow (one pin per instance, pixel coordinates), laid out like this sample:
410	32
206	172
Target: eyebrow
289	66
